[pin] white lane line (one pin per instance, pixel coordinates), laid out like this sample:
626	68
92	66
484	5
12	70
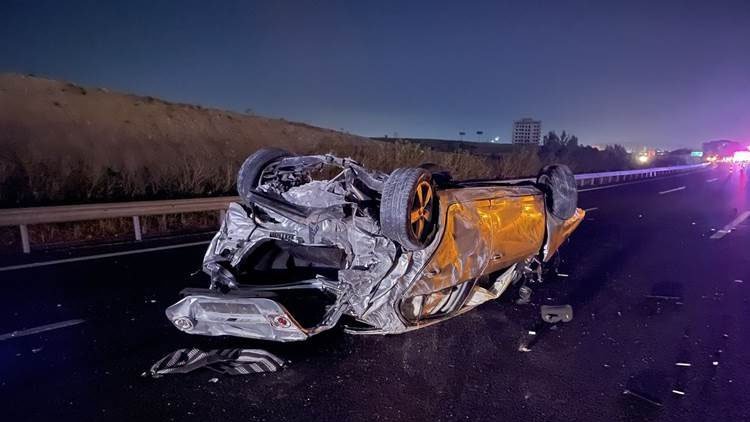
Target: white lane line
100	256
731	226
41	329
614	186
672	190
591	209
712	180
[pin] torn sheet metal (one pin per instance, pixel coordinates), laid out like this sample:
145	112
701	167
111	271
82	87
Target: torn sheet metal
275	274
480	294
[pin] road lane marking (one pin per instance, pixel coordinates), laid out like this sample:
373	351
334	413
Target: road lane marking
41	329
591	209
731	226
100	256
672	190
712	180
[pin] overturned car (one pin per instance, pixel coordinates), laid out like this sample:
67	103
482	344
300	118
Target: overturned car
392	252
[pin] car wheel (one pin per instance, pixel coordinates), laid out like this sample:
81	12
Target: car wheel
409	207
258	169
559	186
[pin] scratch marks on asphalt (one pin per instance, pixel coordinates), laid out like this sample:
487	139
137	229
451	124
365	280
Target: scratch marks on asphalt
712	180
672	190
591	209
731	226
41	329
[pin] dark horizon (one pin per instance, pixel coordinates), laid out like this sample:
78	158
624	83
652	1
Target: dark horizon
664	75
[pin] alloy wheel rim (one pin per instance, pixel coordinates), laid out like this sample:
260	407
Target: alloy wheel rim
421	213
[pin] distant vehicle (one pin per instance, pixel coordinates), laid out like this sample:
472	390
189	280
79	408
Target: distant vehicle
393	252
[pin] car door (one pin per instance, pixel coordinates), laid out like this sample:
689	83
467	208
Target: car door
464	246
517	222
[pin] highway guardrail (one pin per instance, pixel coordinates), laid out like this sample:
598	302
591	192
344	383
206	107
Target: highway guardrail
23	217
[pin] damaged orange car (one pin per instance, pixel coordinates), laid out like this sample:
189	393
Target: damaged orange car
392	252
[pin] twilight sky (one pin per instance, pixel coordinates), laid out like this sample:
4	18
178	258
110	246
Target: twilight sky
659	73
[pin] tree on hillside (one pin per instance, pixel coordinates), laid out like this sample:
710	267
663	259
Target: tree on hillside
558	148
617	157
552	140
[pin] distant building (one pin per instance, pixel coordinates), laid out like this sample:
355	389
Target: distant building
527	131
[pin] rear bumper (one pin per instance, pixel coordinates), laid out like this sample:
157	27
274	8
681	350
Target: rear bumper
256	318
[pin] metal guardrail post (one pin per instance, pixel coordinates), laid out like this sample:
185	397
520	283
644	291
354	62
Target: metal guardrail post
25	244
137	228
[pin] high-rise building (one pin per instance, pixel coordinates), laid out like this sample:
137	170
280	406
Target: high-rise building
527	131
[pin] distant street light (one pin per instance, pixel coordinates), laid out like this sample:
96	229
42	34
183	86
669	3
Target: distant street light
462	134
479	133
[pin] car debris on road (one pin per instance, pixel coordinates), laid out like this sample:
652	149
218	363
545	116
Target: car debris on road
393	252
227	361
553	314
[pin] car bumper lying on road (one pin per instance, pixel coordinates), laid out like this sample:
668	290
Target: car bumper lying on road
257	318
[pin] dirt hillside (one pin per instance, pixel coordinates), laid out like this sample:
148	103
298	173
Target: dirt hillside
56	117
64	143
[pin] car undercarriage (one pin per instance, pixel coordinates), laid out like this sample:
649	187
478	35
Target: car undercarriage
392	252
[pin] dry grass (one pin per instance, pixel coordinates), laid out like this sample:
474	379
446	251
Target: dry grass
62	143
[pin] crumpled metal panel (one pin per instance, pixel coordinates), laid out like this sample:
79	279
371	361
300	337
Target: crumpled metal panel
485	229
517	229
370	274
236	228
480	294
464	249
318	193
558	230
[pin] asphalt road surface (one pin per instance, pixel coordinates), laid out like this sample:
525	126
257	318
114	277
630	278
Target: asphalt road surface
652	279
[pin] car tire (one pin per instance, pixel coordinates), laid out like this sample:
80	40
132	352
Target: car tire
559	186
409	208
252	169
